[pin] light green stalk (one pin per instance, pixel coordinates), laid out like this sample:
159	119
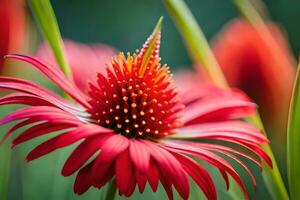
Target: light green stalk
47	22
293	141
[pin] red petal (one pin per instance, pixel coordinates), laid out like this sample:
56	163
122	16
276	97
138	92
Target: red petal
139	155
199	175
38	130
125	177
16	127
170	167
66	139
111	148
82	153
141	180
219	130
218	109
211	158
56	76
78	54
40	113
83	180
153	175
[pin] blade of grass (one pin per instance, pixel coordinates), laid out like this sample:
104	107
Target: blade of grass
47	22
200	52
293	141
195	40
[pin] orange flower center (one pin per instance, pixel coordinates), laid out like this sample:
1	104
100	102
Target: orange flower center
136	98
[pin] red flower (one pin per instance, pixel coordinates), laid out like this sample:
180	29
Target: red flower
12	23
263	69
134	128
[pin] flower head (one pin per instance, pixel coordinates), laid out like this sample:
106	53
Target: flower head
262	69
134	128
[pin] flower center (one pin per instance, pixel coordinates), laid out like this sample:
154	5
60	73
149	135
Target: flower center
135	99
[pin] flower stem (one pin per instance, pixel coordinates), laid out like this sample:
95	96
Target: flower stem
111	191
47	22
293	139
200	52
197	45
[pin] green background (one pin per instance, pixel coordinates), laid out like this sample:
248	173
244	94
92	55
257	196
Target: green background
125	24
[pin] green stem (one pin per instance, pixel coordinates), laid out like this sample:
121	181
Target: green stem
293	141
111	191
47	22
271	176
197	45
200	52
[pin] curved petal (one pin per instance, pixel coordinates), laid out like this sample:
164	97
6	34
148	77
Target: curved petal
85	60
56	76
153	175
38	130
125	179
139	155
211	158
217	109
40	113
110	150
219	130
83	180
170	167
141	180
199	175
83	152
65	139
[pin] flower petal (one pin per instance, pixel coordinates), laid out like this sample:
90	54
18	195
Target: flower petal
170	167
125	179
78	54
139	155
153	175
110	150
217	109
211	158
65	139
83	180
83	152
56	76
199	175
219	130
38	130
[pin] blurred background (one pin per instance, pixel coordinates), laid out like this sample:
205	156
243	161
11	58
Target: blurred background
123	25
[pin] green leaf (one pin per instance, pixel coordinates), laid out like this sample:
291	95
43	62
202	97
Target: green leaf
194	39
293	141
200	52
47	22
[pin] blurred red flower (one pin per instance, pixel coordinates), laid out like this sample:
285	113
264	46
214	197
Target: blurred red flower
263	69
134	128
12	23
